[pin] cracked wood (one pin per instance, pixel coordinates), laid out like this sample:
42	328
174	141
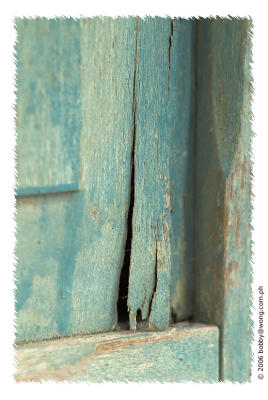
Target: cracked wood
162	221
70	245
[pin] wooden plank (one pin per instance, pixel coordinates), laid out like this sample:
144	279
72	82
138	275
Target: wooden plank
108	54
182	124
184	352
70	245
48	102
223	230
48	155
163	172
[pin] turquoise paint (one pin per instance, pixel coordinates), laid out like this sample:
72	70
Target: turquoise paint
23	290
37	190
48	103
223	273
78	83
181	353
108	50
70	243
150	212
182	99
72	353
48	245
162	243
167	76
49	85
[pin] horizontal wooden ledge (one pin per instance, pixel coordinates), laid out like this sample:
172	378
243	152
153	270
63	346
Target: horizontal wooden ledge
184	352
38	190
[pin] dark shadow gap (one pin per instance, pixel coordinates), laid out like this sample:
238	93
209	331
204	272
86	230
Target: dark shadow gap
122	306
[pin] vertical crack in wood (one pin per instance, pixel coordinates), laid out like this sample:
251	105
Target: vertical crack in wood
155	272
122	307
169	50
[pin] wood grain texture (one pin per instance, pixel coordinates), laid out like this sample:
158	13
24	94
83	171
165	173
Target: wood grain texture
87	92
163	172
223	231
48	102
70	245
183	352
108	53
181	165
37	190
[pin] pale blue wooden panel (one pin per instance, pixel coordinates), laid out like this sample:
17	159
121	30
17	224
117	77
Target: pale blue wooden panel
182	103
108	53
150	256
182	353
163	218
48	243
223	231
48	104
70	246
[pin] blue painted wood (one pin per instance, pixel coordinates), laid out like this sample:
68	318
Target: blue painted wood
36	190
183	352
223	230
181	110
70	246
162	219
87	92
48	104
150	257
108	49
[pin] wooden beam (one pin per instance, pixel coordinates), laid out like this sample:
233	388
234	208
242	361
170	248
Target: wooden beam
184	352
223	179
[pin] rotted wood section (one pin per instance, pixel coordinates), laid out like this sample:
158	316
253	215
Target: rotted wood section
184	352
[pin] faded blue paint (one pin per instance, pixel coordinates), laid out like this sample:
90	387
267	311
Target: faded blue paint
71	225
23	290
48	102
70	245
182	353
108	49
162	242
49	121
223	211
72	242
149	276
37	190
182	121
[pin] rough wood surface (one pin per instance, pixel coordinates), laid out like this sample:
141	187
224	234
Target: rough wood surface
181	165
183	352
88	92
70	245
48	103
162	223
223	231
